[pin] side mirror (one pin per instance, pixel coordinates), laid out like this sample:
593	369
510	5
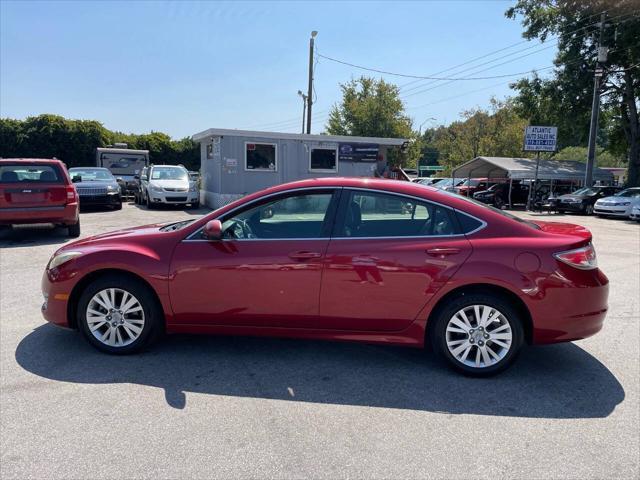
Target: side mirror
76	179
213	230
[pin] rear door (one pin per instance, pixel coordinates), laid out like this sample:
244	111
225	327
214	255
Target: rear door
388	256
32	185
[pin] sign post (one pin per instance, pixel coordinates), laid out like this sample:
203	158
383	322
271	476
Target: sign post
538	139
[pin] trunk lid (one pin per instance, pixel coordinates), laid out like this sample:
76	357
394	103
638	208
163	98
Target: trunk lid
30	186
561	228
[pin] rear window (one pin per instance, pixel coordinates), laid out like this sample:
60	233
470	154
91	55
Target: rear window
30	174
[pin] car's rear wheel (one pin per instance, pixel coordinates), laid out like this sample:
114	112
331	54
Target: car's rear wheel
74	230
479	334
119	315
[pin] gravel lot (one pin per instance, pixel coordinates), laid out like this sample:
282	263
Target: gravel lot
245	407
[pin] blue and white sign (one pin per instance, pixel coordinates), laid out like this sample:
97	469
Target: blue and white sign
540	139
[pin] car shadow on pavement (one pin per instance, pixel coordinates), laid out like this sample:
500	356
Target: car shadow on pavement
32	236
557	381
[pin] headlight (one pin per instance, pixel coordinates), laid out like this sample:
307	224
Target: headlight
155	188
113	188
193	188
624	204
61	258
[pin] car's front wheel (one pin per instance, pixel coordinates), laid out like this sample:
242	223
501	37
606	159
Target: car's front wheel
119	315
478	334
74	230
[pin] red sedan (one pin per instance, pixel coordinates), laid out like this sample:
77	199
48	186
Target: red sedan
344	259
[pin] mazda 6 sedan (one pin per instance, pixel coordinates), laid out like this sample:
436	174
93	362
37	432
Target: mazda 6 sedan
379	261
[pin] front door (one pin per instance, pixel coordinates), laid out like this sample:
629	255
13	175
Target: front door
388	256
266	271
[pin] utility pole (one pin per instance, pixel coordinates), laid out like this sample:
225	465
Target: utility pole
595	106
304	108
310	91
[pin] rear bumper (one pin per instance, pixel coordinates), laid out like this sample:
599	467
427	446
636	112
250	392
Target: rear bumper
572	309
64	214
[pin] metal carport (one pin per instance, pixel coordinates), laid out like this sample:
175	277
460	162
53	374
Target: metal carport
513	168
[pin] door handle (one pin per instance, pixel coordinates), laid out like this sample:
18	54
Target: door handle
442	251
304	255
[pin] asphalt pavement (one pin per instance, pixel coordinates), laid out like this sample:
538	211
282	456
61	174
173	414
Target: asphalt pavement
239	407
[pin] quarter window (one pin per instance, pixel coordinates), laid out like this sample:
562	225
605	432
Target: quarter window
296	216
261	156
324	159
384	215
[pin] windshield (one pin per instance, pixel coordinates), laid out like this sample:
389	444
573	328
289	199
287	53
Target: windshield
168	173
493	209
91	174
473	182
586	191
629	192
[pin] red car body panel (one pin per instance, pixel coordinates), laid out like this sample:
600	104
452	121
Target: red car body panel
38	202
378	290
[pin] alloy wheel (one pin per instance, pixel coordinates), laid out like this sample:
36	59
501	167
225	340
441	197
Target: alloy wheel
115	317
479	336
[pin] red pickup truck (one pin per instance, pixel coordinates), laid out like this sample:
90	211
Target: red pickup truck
38	191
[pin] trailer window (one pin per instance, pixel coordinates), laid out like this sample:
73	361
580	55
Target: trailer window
261	157
323	159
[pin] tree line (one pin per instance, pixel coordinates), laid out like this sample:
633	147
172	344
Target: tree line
75	141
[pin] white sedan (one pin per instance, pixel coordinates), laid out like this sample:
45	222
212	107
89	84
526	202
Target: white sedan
618	205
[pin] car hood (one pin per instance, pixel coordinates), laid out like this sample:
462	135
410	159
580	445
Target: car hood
97	184
569	196
614	199
117	236
561	228
170	183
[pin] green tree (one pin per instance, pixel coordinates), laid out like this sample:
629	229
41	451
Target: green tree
565	98
605	159
373	108
75	141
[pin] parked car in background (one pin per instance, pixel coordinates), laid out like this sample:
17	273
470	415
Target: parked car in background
498	194
472	185
124	163
428	180
426	267
449	184
583	200
96	187
38	191
169	185
618	205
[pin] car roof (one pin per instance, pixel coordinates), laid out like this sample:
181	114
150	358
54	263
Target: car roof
42	161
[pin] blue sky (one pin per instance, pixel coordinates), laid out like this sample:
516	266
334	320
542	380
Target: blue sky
182	67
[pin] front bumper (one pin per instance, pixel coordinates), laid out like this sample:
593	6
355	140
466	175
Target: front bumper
106	199
571	206
174	197
615	211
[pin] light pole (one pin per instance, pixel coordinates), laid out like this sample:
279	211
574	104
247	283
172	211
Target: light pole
310	91
304	107
430	119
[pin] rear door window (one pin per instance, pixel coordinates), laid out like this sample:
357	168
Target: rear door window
369	214
19	174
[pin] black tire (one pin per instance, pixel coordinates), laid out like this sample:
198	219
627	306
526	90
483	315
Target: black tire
560	211
195	205
588	210
74	230
498	202
118	206
150	204
153	315
445	313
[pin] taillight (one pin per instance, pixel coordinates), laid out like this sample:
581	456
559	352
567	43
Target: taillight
71	193
583	258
